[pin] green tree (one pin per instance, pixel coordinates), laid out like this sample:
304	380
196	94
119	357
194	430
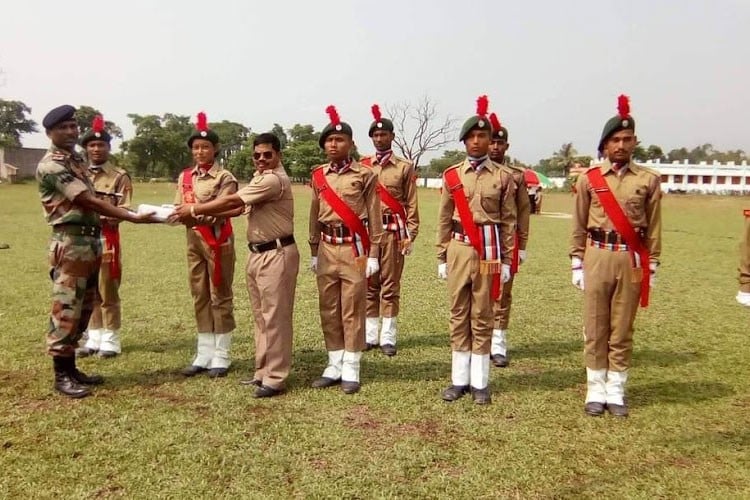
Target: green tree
562	159
232	137
14	122
279	132
85	116
159	147
438	165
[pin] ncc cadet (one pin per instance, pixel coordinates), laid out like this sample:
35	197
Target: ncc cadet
397	190
273	261
345	236
616	244
72	208
210	252
476	220
743	295
498	147
114	186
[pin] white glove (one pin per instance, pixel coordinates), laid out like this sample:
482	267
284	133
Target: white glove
505	273
743	298
314	264
652	274
522	256
372	266
443	271
577	267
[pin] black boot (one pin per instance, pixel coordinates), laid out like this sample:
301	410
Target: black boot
64	382
81	377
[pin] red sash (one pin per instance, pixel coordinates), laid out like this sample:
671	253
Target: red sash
614	211
347	215
207	232
456	189
387	197
111	235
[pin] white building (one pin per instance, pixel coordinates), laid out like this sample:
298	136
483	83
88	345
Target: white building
715	178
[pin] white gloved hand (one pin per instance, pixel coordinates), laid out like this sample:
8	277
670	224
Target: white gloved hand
577	267
522	256
652	274
505	273
314	264
443	271
373	266
743	298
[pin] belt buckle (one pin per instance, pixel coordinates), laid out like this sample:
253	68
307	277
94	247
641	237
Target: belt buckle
254	248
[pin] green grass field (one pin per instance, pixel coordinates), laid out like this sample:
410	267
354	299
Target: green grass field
148	432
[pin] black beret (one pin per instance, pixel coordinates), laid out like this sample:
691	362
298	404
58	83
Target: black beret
207	134
382	124
58	115
339	128
95	136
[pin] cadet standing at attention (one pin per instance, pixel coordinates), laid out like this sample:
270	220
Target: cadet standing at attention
616	244
345	234
397	190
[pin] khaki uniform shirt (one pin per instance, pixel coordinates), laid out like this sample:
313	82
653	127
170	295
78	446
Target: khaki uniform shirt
112	184
357	188
208	185
637	190
270	206
523	206
491	196
62	177
400	180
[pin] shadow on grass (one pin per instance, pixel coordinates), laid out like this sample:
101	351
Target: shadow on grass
667	392
414	341
538	379
187	342
545	349
651	357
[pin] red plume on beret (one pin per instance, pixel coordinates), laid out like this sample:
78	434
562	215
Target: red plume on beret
97	124
482	105
202	123
333	115
376	112
495	122
623	106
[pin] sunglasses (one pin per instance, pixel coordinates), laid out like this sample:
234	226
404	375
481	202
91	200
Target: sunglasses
266	155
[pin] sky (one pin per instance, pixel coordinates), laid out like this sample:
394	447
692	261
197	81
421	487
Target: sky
552	70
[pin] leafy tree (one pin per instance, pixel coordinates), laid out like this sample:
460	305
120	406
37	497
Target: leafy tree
159	147
14	122
85	115
562	159
450	157
279	132
232	136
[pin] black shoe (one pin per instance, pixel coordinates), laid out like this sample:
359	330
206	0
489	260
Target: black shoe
369	346
108	354
481	396
455	392
218	372
64	381
81	377
323	382
265	391
499	360
594	409
85	352
193	370
388	349
618	410
349	387
251	381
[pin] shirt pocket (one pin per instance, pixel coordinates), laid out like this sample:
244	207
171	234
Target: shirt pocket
351	191
490	198
635	204
392	183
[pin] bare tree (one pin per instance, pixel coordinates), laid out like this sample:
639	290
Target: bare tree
419	129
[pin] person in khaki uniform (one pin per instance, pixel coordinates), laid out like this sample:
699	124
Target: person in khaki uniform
114	186
345	236
210	253
72	209
498	147
614	268
474	255
743	294
397	176
273	262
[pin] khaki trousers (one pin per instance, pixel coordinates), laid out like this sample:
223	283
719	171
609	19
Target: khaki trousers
610	304
271	282
384	287
502	306
342	290
106	313
213	305
470	301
